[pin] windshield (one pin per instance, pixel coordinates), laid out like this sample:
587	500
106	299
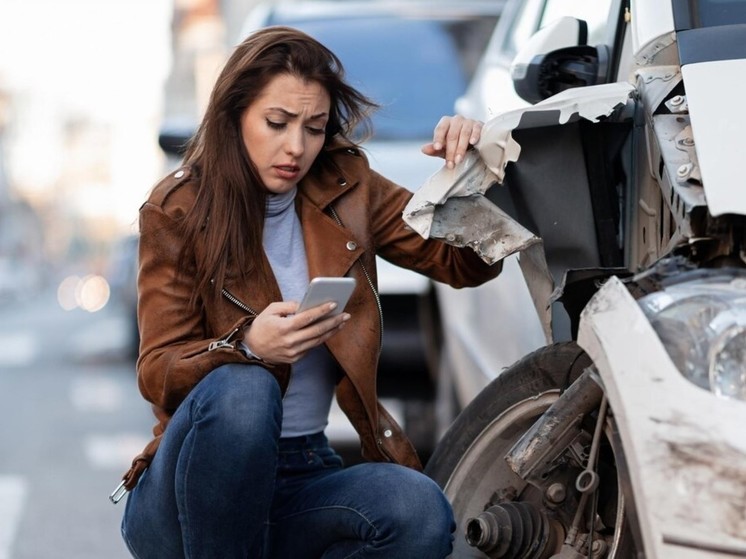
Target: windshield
713	13
414	68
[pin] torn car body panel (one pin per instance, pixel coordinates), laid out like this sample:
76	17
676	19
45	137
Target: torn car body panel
451	205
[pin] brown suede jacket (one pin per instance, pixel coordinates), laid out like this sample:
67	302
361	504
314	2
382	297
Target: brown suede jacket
347	218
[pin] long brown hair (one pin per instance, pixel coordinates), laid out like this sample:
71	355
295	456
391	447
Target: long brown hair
228	215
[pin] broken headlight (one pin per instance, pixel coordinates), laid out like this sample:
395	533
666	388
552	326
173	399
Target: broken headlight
702	324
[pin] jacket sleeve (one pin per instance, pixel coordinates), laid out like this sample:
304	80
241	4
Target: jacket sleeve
176	351
399	244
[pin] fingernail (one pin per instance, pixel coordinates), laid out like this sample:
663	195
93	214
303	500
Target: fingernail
332	306
438	146
449	164
472	141
458	159
346	317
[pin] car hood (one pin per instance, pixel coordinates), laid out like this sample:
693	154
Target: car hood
718	124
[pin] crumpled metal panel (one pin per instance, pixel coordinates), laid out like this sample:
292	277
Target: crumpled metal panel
448	205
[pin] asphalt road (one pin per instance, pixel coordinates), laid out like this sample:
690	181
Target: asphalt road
71	419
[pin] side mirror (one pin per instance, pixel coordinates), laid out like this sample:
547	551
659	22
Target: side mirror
556	58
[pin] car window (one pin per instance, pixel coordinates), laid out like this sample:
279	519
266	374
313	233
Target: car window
595	14
535	14
414	68
524	25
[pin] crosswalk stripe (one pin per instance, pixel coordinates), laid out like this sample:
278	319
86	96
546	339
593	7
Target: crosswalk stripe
113	452
12	497
104	335
96	394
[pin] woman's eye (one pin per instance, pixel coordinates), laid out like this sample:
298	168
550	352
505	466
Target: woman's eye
316	131
275	125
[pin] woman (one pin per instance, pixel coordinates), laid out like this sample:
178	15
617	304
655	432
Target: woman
274	192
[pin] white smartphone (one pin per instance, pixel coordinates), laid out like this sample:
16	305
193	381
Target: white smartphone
324	290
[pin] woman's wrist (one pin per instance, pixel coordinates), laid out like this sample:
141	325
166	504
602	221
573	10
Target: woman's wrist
247	351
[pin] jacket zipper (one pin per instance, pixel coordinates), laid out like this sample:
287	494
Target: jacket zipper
225	342
236	301
370	284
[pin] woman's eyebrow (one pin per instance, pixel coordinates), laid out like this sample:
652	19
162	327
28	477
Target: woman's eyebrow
295	115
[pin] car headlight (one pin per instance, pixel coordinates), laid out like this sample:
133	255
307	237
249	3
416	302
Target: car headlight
727	375
702	324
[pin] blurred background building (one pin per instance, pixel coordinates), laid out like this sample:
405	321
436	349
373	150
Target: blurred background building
85	87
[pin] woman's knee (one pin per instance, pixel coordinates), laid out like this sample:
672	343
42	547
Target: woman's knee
239	397
424	503
416	506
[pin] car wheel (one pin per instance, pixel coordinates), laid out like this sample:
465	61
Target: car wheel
469	465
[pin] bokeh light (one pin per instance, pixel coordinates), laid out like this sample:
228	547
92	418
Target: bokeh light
90	293
66	293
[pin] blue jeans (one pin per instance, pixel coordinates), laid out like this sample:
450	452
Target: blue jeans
223	484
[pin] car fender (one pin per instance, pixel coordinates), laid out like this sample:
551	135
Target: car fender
684	447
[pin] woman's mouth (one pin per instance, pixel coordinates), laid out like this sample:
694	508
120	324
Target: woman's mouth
288	172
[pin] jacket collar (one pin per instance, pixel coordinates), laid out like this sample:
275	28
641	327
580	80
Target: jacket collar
331	247
322	187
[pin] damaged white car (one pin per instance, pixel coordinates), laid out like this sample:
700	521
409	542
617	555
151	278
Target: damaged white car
623	435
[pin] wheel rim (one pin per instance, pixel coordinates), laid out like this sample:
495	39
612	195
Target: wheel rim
482	469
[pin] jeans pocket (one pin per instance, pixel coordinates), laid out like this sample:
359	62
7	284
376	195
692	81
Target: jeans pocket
308	460
329	458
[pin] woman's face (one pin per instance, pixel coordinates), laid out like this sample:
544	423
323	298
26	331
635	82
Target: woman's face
284	129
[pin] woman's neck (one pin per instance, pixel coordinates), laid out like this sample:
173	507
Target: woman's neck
278	203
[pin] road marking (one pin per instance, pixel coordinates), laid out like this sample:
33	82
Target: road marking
113	452
17	349
12	497
96	394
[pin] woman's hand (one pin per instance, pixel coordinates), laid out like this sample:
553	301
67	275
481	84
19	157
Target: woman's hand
452	137
278	336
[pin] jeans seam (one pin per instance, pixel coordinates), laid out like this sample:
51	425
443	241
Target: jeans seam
329	507
356	552
129	544
364	544
193	412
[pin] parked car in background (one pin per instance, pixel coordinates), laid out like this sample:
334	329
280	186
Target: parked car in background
414	59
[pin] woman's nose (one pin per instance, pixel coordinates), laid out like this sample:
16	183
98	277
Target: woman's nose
294	143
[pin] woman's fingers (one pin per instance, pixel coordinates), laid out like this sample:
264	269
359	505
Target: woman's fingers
452	137
314	336
279	336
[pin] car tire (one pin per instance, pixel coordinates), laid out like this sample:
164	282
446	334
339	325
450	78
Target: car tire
469	464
